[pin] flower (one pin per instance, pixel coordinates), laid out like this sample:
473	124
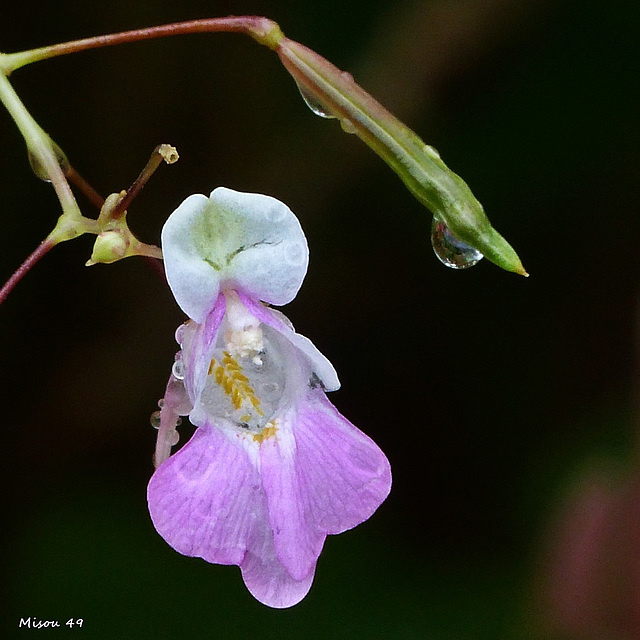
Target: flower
272	467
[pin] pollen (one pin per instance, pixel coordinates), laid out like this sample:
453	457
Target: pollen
228	375
269	431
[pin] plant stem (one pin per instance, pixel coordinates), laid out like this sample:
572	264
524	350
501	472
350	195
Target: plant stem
42	249
89	192
39	145
162	153
420	167
263	30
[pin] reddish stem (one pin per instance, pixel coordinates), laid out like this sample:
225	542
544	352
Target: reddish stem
263	30
42	249
78	181
155	161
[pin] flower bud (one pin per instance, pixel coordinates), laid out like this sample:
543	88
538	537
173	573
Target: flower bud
109	246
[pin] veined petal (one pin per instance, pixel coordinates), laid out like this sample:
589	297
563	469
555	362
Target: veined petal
206	499
197	344
264	575
194	281
245	241
346	474
320	364
321	476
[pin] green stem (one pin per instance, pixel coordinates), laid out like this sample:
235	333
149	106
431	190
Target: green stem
71	223
38	145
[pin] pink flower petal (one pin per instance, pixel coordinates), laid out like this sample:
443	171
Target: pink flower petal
197	349
321	476
264	575
205	499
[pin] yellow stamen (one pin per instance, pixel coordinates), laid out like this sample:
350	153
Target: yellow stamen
235	384
269	431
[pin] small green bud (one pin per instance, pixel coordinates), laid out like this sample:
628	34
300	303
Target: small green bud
109	247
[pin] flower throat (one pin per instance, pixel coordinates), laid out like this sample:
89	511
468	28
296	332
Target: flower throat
246	376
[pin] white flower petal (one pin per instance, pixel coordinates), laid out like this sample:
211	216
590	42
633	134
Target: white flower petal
195	283
320	364
245	241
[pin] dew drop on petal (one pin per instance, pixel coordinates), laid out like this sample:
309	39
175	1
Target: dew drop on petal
155	420
270	390
180	333
314	104
276	213
295	253
451	251
173	438
178	369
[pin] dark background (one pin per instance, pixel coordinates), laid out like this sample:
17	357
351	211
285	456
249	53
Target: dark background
490	393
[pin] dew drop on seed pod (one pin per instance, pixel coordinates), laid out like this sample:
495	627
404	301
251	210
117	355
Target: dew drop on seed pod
312	102
451	251
432	151
347	125
155	419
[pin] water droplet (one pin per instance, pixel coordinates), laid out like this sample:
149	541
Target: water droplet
269	389
295	253
178	369
450	251
347	126
173	437
180	333
161	402
257	361
346	76
276	213
314	104
155	419
431	150
39	169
